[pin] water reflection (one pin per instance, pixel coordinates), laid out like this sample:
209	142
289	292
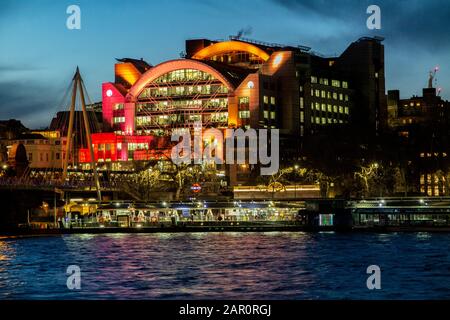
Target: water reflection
226	265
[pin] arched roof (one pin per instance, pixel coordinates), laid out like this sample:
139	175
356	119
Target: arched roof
227	46
173	65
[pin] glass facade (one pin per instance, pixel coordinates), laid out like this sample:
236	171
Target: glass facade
178	99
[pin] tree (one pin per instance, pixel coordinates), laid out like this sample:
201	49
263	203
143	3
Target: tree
366	173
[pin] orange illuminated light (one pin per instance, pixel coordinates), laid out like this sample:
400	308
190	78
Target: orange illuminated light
228	46
128	72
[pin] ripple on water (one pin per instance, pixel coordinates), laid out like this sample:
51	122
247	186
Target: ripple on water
227	266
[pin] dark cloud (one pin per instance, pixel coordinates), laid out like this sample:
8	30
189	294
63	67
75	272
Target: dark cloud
4	68
30	102
416	22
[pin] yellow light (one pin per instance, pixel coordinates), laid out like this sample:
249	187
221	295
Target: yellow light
228	46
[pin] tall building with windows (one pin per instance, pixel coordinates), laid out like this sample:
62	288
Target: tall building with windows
241	83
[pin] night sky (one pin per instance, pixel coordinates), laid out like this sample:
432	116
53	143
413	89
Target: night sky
38	54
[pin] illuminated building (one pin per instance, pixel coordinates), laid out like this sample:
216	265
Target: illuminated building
120	150
43	149
245	83
422	125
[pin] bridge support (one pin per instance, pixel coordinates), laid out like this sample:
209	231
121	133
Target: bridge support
78	85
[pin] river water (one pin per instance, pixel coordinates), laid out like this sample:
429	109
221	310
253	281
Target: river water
227	266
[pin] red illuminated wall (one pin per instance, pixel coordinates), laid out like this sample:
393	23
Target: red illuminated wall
109	102
156	148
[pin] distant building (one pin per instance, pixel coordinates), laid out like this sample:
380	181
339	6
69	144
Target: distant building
43	149
423	125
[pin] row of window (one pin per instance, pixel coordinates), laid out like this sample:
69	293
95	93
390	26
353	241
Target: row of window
238	57
184	75
137	146
322	120
54	156
183	91
272	100
119	119
245	114
183	104
181	118
330	108
435	154
329	95
272	114
334	83
40	141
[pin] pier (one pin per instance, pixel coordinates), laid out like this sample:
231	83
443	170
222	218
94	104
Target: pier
311	215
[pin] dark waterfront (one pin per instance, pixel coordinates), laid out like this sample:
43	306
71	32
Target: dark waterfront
227	266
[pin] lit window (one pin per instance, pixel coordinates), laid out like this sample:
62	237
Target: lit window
345	84
244	100
317	93
317	106
346	110
266	114
119	119
302	116
336	83
245	114
272	115
324	107
272	100
335	95
330	108
266	99
341	109
323	94
313	79
341	96
302	103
